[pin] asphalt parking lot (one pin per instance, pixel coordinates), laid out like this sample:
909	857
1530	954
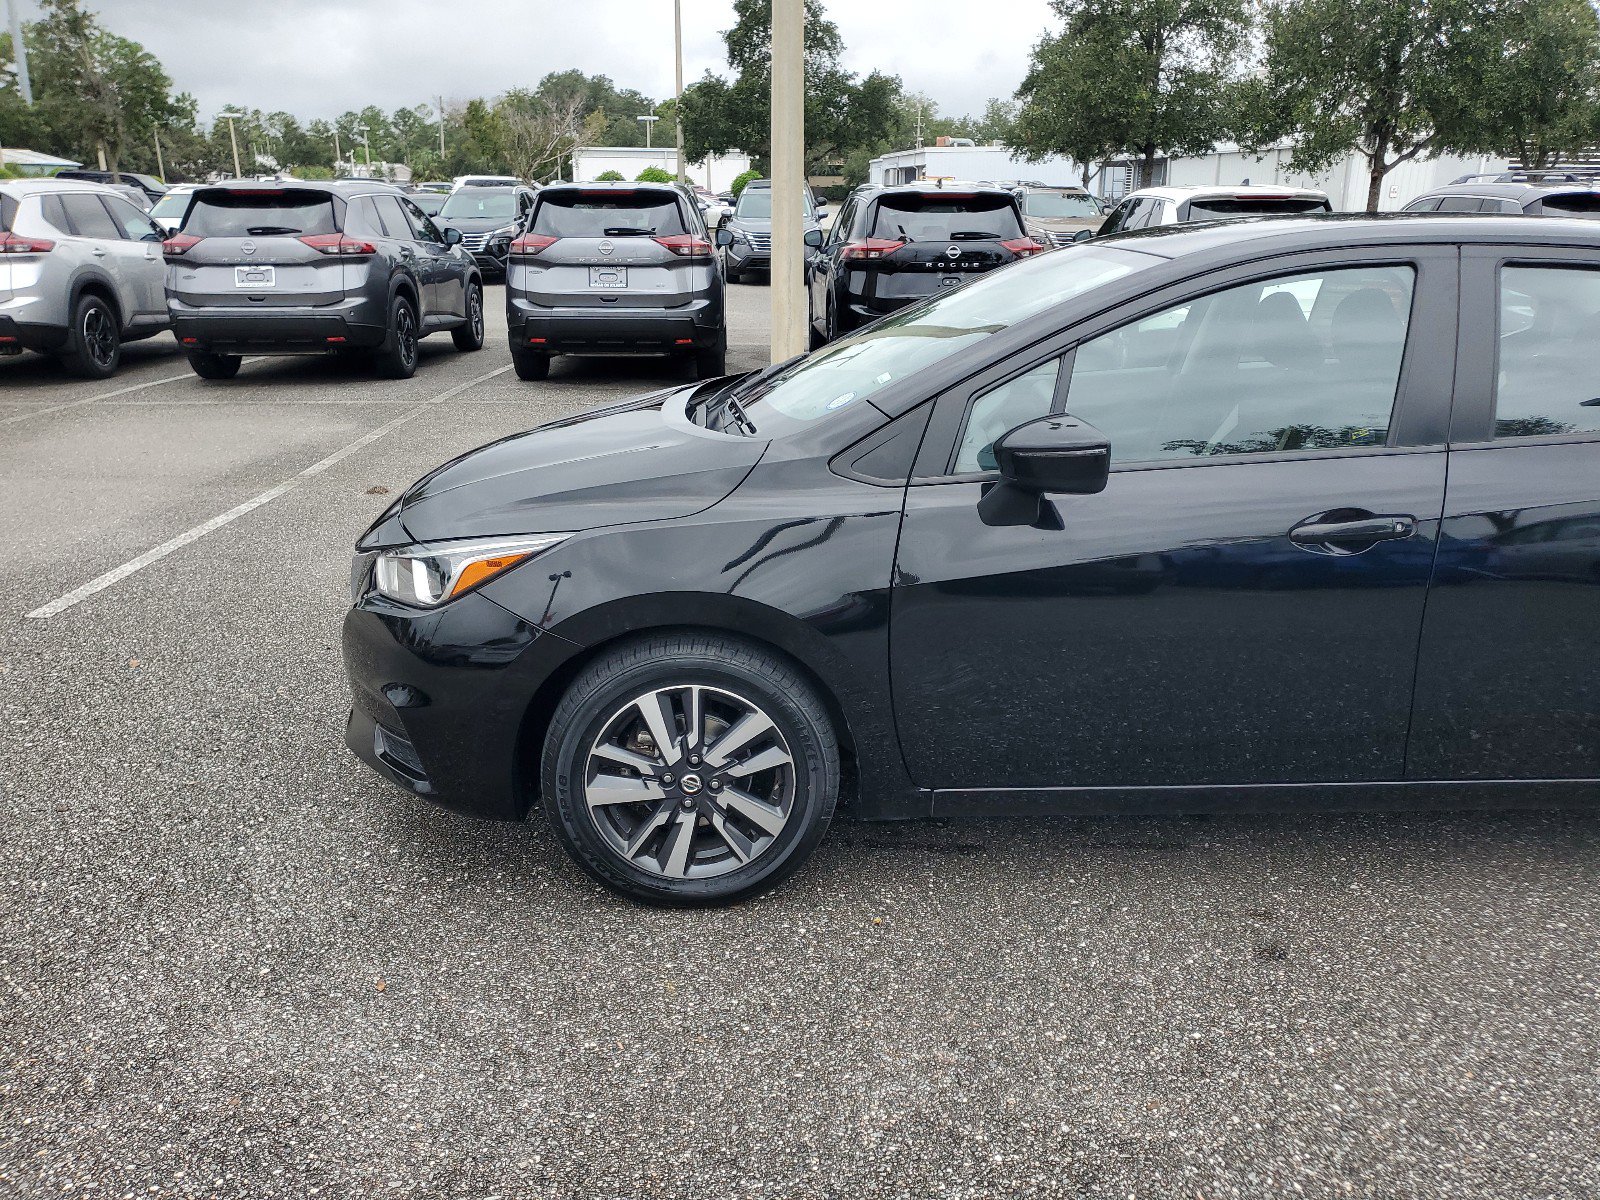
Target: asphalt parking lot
235	963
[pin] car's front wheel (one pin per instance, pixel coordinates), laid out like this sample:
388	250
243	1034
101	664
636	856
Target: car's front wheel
690	769
94	343
397	357
470	335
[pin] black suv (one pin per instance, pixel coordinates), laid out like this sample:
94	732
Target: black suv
316	268
891	246
152	187
1554	193
488	218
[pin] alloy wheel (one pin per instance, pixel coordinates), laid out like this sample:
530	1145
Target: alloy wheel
690	782
405	332
99	335
475	312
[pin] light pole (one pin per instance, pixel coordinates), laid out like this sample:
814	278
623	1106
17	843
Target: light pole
677	104
441	133
649	124
366	147
19	48
230	116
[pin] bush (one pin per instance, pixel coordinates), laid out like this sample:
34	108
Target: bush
609	177
740	180
654	175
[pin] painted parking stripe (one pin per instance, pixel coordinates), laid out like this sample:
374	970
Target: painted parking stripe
99	584
55	408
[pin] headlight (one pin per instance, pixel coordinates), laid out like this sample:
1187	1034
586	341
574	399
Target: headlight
427	576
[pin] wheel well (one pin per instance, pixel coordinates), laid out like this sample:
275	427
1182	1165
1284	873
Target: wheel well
100	290
405	288
536	718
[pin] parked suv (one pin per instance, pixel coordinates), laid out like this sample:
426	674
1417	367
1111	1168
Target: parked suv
488	218
1059	216
1149	207
148	184
748	244
169	210
316	268
80	273
1519	193
891	246
615	268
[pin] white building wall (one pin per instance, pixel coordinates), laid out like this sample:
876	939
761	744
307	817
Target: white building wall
717	173
968	163
1345	182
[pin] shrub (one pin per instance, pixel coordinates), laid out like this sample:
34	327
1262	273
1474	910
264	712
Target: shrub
609	177
740	180
654	175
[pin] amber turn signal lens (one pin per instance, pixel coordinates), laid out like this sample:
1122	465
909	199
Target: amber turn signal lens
484	570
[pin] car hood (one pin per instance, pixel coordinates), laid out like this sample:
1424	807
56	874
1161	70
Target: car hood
477	224
763	224
637	461
1066	224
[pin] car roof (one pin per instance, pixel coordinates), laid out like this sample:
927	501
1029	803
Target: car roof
610	185
923	187
1268	235
30	187
1511	190
333	187
1240	190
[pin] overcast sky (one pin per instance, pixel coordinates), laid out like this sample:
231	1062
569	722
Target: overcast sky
320	57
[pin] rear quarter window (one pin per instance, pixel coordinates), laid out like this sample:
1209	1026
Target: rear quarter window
607	214
945	218
8	212
257	214
1572	204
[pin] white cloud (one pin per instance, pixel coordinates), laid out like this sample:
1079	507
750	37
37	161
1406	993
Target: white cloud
322	57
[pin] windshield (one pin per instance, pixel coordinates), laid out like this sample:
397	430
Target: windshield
757	202
1059	204
855	367
943	218
490	203
171	205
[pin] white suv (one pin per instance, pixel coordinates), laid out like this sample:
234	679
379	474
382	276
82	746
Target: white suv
81	272
1149	207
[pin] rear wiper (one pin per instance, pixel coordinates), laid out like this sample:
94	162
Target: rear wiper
266	230
971	234
904	234
629	231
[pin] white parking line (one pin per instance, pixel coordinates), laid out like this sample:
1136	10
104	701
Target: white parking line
100	582
54	408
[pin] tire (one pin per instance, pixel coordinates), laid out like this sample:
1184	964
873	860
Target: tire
94	342
397	357
691	845
713	361
214	366
531	366
728	273
470	336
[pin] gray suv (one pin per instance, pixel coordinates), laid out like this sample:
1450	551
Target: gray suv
80	273
316	268
1550	193
615	268
746	236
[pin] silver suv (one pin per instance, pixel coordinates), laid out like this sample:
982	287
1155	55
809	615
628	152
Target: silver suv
615	268
80	273
316	268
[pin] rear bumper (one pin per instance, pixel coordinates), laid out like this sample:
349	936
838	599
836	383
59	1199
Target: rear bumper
534	328
43	338
234	330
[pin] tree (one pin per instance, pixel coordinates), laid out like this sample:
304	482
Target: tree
1132	77
609	177
1535	90
1391	80
538	135
654	175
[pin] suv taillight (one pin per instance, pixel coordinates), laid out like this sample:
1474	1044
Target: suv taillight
871	248
530	244
339	244
179	244
11	243
685	245
1022	247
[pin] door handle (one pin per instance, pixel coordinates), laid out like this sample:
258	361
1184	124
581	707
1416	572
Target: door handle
99	251
1352	534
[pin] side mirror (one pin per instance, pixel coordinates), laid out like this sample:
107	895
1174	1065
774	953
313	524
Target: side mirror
724	236
452	236
814	238
1058	454
1083	235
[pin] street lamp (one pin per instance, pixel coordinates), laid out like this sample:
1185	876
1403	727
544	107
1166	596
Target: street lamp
230	116
366	146
649	125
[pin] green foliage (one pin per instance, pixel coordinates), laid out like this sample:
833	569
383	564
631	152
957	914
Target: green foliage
1132	77
741	179
609	177
654	175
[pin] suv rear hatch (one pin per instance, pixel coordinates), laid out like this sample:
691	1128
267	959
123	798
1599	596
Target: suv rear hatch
267	247
612	248
918	243
1223	206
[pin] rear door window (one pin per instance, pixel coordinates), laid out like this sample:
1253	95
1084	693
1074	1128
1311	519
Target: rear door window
947	217
597	214
393	218
1216	208
89	218
1546	382
260	214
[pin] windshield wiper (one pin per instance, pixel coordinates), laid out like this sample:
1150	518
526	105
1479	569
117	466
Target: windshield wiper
731	403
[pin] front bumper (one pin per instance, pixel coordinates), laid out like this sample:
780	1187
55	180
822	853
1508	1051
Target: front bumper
746	256
439	698
539	330
259	330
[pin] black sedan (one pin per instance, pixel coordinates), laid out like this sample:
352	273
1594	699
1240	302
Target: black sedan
1291	514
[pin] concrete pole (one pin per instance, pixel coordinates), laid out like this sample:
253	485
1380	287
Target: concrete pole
677	107
161	166
789	335
19	51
